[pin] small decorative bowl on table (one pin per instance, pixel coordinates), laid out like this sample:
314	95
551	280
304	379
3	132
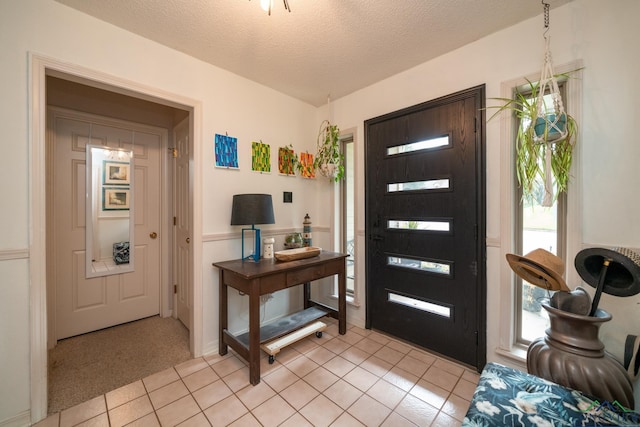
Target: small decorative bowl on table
298	253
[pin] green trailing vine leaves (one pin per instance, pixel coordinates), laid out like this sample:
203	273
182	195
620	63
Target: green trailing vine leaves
530	149
329	160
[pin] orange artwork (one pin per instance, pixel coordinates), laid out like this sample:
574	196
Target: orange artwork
306	162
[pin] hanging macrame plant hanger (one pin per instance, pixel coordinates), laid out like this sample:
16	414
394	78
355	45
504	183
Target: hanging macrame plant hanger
550	124
327	153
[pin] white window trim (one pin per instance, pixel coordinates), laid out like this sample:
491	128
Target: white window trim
350	300
355	299
507	345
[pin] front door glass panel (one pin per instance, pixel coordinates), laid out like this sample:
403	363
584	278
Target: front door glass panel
431	184
420	265
429	307
427	144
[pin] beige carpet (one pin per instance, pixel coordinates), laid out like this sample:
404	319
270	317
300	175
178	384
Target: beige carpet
86	366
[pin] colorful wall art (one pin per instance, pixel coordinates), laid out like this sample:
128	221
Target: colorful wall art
226	151
286	161
306	162
260	157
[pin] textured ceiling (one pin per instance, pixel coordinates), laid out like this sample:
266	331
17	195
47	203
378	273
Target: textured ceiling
320	48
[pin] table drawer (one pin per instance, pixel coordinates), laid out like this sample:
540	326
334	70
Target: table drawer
306	275
273	283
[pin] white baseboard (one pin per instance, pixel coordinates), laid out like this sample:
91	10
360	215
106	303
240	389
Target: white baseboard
20	420
208	348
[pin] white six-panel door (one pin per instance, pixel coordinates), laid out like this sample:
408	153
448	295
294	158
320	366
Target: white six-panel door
83	305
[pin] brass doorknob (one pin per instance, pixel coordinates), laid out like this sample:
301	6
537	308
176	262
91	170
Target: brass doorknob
153	235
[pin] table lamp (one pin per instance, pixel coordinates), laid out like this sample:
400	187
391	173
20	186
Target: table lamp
252	209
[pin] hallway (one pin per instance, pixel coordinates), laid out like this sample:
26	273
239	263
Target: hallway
85	366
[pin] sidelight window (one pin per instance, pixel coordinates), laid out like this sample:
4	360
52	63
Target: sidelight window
347	212
537	227
526	226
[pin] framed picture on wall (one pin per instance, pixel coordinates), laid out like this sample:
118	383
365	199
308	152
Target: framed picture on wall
286	161
116	173
115	199
260	157
226	151
307	170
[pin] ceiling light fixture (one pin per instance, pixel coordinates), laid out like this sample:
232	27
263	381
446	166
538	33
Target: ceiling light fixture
267	5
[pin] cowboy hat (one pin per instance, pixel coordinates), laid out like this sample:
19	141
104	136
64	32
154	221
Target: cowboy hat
540	268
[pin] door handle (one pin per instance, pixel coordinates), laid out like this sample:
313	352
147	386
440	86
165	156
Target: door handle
187	240
153	234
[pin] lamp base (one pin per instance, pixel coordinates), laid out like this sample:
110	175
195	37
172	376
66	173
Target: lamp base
256	237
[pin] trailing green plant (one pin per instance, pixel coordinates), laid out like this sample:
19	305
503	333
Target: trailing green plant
329	160
531	148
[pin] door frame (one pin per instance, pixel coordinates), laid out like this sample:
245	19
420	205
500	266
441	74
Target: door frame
481	246
39	68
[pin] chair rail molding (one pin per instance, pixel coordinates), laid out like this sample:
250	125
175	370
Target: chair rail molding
13	254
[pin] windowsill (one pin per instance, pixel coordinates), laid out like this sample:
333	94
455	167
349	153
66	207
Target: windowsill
516	354
350	300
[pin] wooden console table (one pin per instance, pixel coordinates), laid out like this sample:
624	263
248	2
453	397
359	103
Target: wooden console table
268	276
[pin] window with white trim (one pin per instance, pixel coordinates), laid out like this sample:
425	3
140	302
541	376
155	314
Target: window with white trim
536	227
511	342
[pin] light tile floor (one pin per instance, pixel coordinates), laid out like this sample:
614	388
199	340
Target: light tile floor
362	378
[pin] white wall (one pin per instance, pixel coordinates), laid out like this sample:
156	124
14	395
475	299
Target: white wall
229	104
603	34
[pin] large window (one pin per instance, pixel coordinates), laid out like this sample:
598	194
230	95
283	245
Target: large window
537	227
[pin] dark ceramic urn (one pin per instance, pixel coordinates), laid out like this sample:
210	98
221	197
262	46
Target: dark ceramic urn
572	355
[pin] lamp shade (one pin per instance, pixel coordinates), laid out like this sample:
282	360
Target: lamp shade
250	209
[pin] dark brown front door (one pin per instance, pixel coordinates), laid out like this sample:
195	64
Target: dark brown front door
425	223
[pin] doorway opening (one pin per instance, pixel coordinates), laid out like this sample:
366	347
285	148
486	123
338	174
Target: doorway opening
40	70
